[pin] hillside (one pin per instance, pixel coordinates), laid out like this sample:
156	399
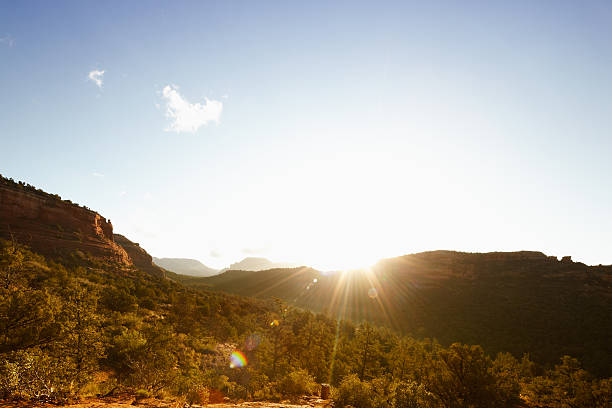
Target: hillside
184	266
53	226
79	323
522	302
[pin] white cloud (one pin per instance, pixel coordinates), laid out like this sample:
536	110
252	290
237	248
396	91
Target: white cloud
188	117
96	77
96	174
8	40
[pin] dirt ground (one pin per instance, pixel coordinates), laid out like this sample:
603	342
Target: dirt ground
307	402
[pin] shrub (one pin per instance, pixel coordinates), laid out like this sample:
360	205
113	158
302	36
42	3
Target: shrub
197	394
352	391
413	395
36	376
297	383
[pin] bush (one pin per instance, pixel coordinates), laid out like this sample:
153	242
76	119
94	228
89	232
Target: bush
296	384
36	376
197	394
352	391
413	395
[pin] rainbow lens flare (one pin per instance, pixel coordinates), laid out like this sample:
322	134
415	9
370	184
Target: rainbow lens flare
238	359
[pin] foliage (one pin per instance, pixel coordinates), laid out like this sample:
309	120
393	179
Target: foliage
77	325
413	395
35	375
352	391
297	383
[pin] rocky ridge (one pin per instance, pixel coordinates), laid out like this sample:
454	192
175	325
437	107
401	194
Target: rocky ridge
53	226
56	227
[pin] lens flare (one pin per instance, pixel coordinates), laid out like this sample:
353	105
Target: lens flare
252	341
238	359
372	293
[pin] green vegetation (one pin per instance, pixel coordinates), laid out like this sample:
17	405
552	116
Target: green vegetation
523	302
82	327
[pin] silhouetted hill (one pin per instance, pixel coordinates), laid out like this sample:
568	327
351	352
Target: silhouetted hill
257	264
522	302
184	266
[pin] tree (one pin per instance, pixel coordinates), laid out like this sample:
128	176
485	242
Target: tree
82	340
461	377
145	358
28	318
11	263
367	346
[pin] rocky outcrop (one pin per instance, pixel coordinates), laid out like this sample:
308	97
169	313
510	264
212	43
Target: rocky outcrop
53	226
139	256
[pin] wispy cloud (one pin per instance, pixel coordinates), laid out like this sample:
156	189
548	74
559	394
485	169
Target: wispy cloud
7	40
188	117
97	77
96	174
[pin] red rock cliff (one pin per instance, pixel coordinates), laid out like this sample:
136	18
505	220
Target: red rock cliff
52	226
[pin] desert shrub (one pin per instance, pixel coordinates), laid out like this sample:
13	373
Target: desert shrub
352	391
259	385
142	393
197	394
9	378
194	388
36	376
297	383
118	300
410	394
145	358
506	370
568	385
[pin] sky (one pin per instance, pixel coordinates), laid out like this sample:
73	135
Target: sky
325	133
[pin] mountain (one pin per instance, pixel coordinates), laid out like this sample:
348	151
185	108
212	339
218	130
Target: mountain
59	228
138	256
257	264
83	315
522	302
184	266
55	227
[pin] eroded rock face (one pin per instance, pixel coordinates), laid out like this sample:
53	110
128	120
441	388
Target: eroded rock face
52	226
139	256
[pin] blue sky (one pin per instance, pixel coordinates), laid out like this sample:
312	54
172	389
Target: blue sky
324	133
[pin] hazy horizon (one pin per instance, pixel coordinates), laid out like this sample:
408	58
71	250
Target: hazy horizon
325	134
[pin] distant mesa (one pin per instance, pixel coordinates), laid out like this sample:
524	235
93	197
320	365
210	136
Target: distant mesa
257	264
185	266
